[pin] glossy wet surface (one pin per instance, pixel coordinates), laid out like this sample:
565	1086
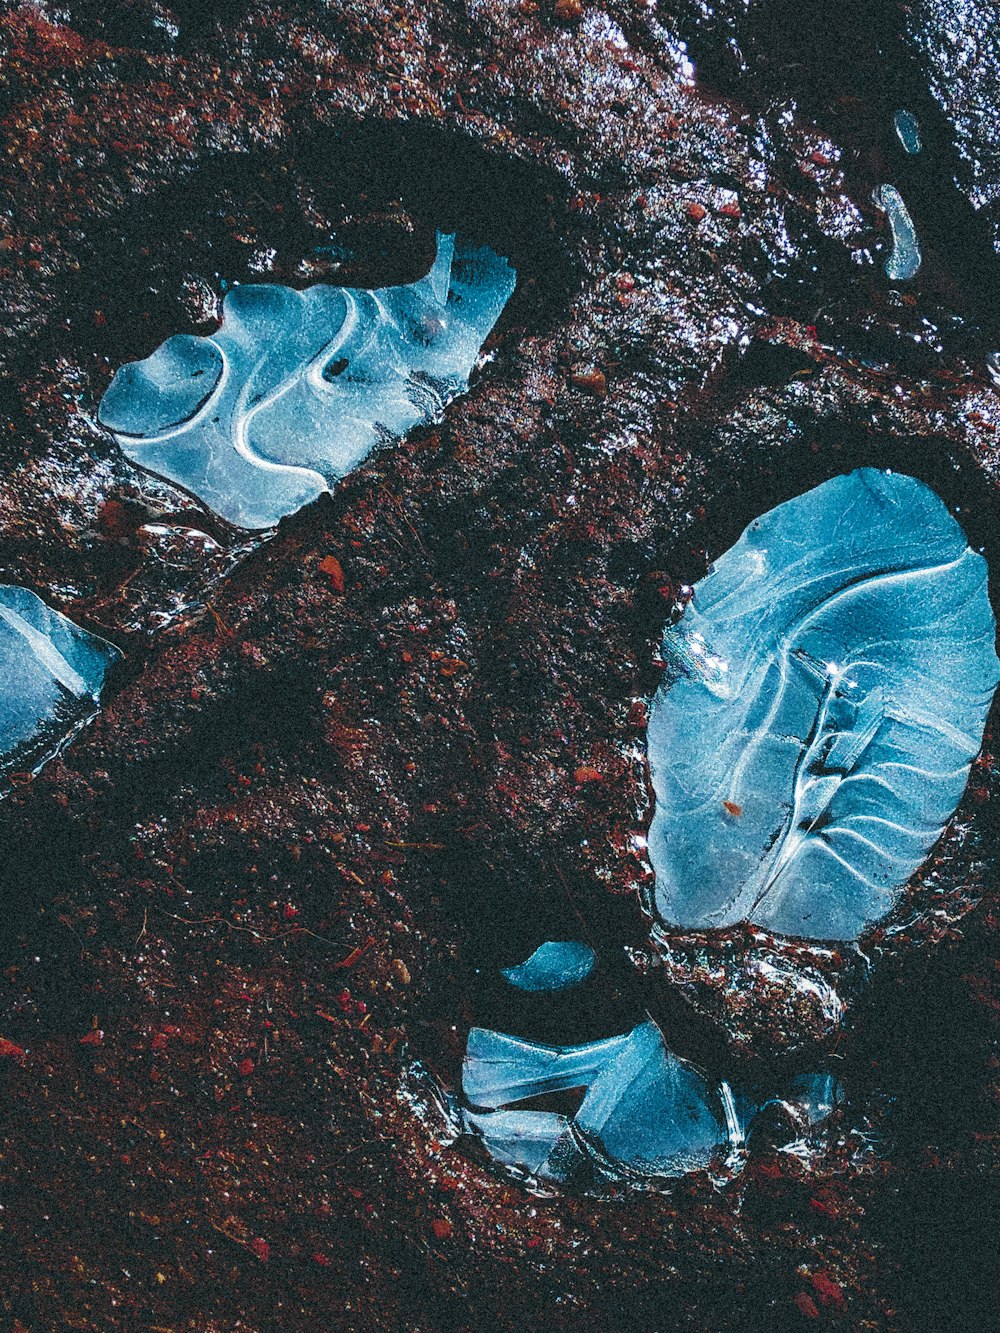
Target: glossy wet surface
348	776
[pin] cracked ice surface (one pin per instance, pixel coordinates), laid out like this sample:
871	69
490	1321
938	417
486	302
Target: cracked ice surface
297	387
51	673
645	1113
832	678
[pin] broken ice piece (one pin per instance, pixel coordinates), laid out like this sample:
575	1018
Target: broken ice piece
524	1140
297	387
51	674
499	1070
832	676
555	965
651	1112
644	1111
904	259
908	130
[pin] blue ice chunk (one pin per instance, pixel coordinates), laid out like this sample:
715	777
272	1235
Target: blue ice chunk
297	387
650	1112
904	260
645	1111
51	674
555	965
908	130
499	1070
830	684
527	1140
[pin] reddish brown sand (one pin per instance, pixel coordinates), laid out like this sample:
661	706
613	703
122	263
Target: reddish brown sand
405	735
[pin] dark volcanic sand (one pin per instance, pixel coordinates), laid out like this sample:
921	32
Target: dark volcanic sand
314	818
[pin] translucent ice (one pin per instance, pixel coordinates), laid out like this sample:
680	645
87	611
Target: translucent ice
645	1112
555	965
51	673
831	681
904	259
529	1141
297	387
908	130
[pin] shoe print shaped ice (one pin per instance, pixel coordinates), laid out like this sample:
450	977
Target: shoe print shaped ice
297	387
827	690
51	674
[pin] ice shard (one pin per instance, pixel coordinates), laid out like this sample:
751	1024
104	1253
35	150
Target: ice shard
644	1110
908	130
51	674
828	689
555	965
529	1141
297	387
645	1114
905	258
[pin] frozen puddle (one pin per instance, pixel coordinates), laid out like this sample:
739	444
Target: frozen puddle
827	692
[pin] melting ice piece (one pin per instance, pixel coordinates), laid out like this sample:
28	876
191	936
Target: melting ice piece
555	965
297	387
833	675
904	260
51	673
644	1111
536	1142
908	130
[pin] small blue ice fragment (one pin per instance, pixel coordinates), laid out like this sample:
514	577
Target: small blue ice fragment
555	965
830	684
526	1140
297	387
51	673
815	1096
908	129
904	260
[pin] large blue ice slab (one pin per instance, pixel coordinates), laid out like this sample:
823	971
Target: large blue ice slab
51	674
297	387
829	687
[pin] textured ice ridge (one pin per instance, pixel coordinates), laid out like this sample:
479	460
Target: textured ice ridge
830	684
645	1112
51	673
297	387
